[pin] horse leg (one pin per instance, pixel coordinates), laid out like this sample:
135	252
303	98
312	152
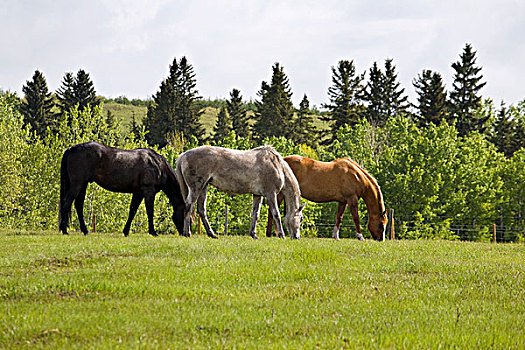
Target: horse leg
79	206
274	210
353	205
135	203
201	210
255	215
341	207
149	200
65	207
190	201
269	225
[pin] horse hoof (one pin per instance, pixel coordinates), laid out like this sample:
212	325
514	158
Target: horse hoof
254	236
154	234
213	236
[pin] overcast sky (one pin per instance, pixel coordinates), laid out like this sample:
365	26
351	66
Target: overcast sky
127	46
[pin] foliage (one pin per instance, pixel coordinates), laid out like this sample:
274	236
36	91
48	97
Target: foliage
275	109
238	114
464	97
222	126
37	105
77	92
384	96
13	145
303	129
346	107
432	99
173	108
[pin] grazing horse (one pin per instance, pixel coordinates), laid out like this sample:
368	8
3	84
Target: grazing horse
260	171
343	181
142	172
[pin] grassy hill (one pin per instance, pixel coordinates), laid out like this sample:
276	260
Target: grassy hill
107	291
208	119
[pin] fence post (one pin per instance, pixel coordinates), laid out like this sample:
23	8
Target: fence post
226	220
392	231
94	222
494	233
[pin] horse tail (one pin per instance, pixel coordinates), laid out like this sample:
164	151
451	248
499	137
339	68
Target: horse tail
65	184
182	182
180	178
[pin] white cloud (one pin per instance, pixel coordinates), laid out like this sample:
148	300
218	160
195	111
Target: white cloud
127	45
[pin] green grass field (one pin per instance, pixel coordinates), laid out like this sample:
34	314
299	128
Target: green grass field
107	291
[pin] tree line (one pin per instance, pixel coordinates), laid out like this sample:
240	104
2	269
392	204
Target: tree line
374	96
451	165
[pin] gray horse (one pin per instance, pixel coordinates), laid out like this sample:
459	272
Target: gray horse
260	171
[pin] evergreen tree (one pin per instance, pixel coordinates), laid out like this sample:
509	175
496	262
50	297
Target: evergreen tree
77	90
518	115
304	132
432	99
36	108
238	115
134	127
465	98
188	96
396	99
173	109
84	91
374	95
65	93
274	111
502	136
384	95
345	96
222	126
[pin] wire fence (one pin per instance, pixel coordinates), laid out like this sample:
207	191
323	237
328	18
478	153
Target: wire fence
233	223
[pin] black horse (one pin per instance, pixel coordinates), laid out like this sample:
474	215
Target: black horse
142	172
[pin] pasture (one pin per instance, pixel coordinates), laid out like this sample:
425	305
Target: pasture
107	291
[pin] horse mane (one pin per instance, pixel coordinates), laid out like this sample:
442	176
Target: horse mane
372	180
270	149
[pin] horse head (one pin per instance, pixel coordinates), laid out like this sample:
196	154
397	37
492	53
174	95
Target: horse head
377	225
293	222
178	218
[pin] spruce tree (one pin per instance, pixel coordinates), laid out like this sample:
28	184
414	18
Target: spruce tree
304	132
374	96
222	126
238	114
75	91
65	93
432	99
384	95
464	97
37	105
189	113
503	133
396	99
173	109
84	91
518	115
274	111
345	94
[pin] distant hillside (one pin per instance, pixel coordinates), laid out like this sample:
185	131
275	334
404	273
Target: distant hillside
125	113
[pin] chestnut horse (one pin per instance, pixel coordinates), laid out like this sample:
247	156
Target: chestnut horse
343	181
